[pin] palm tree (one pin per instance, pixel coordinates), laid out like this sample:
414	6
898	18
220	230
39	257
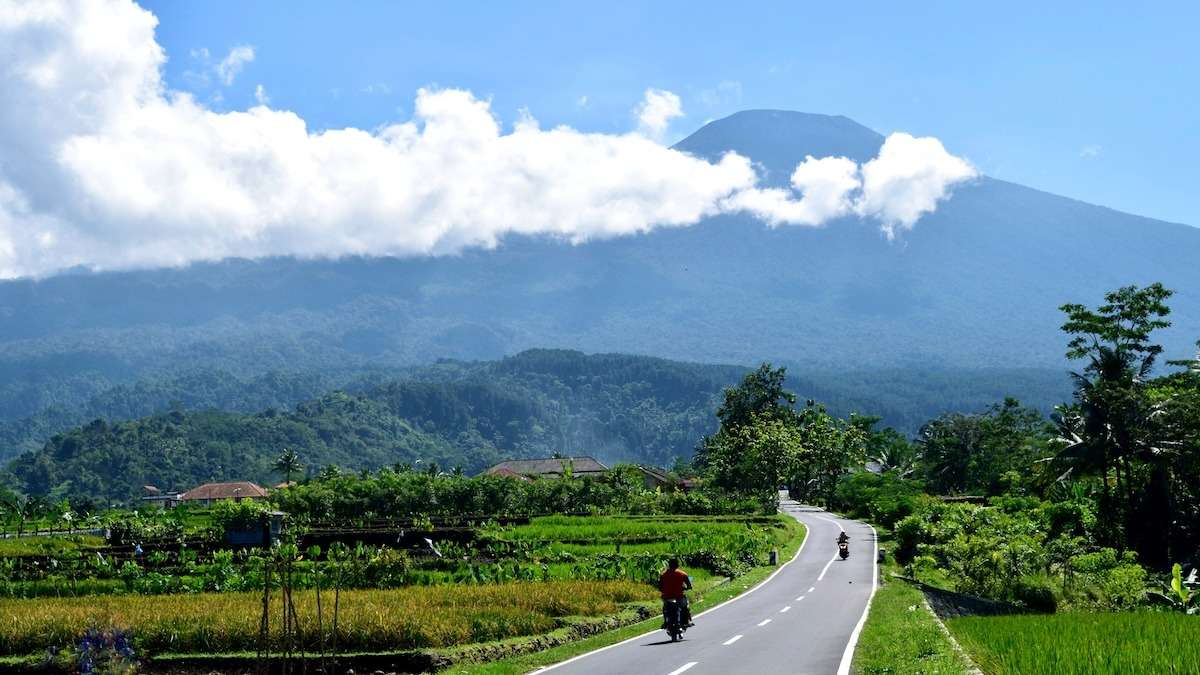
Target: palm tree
287	464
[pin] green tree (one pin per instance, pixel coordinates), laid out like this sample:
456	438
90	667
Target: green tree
973	453
1113	432
287	464
832	447
756	458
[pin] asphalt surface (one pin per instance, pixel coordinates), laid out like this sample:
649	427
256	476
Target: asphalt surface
804	620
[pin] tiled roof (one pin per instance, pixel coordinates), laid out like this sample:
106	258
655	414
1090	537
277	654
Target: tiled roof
237	490
552	466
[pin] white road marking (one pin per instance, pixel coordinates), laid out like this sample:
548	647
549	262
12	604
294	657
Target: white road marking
801	598
848	655
812	589
732	640
683	668
835	557
785	609
763	623
761	584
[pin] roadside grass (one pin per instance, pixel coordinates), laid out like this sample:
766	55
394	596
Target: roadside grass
901	637
406	618
791	534
1082	644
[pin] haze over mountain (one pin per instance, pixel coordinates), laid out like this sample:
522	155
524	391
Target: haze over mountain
974	287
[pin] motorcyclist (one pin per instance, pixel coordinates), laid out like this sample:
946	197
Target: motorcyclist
672	585
843	538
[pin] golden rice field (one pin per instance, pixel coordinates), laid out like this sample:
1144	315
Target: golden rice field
369	620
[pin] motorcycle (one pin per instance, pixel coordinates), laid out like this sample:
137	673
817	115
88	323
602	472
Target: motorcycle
843	550
673	619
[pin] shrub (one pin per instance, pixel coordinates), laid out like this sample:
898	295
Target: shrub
1036	594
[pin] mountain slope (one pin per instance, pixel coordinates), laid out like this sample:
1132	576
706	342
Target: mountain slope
973	288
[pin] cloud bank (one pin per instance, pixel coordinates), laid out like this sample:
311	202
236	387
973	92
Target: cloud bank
102	166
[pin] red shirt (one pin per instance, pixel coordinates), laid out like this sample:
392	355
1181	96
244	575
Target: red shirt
672	583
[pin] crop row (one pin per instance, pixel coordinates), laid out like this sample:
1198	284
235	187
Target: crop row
405	618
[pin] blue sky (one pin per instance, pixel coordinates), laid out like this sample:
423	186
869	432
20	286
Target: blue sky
1097	101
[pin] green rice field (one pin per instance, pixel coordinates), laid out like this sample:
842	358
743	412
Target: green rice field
1082	644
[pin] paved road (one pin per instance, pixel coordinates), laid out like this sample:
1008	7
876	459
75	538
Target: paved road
802	621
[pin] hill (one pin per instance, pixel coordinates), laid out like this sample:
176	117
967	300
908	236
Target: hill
452	414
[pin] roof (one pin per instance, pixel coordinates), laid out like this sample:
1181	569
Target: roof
505	472
550	466
236	490
656	473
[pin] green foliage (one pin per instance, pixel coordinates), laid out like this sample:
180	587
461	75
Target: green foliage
1179	594
901	637
1081	644
241	515
972	454
452	414
882	498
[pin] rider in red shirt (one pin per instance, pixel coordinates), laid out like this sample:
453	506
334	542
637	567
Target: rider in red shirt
672	584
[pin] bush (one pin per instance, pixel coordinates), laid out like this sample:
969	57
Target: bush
882	498
1036	594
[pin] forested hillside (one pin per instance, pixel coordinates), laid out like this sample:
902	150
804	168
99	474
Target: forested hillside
453	414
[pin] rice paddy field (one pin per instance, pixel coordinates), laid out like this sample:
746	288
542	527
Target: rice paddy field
513	582
407	618
1082	644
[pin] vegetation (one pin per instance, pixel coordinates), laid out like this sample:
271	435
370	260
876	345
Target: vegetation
1081	644
899	610
764	442
370	620
452	415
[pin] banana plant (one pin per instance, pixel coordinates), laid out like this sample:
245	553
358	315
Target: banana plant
1181	594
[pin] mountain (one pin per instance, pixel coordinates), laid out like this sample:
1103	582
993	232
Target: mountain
966	302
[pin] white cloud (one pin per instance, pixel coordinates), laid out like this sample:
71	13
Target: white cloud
907	180
582	101
380	88
234	61
1092	150
101	166
260	95
655	112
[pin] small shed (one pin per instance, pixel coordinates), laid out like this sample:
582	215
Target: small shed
264	534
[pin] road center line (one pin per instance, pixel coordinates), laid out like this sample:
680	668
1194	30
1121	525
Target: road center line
683	668
785	609
800	598
763	623
822	577
732	640
812	589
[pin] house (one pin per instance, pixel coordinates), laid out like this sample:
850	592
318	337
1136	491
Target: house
551	467
211	493
505	472
655	478
152	496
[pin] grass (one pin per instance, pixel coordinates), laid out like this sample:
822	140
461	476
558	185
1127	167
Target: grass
48	545
1082	644
611	529
408	618
791	534
901	637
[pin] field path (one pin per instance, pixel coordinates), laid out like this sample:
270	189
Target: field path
804	620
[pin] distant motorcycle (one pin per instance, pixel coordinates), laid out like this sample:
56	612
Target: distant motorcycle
673	619
843	550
